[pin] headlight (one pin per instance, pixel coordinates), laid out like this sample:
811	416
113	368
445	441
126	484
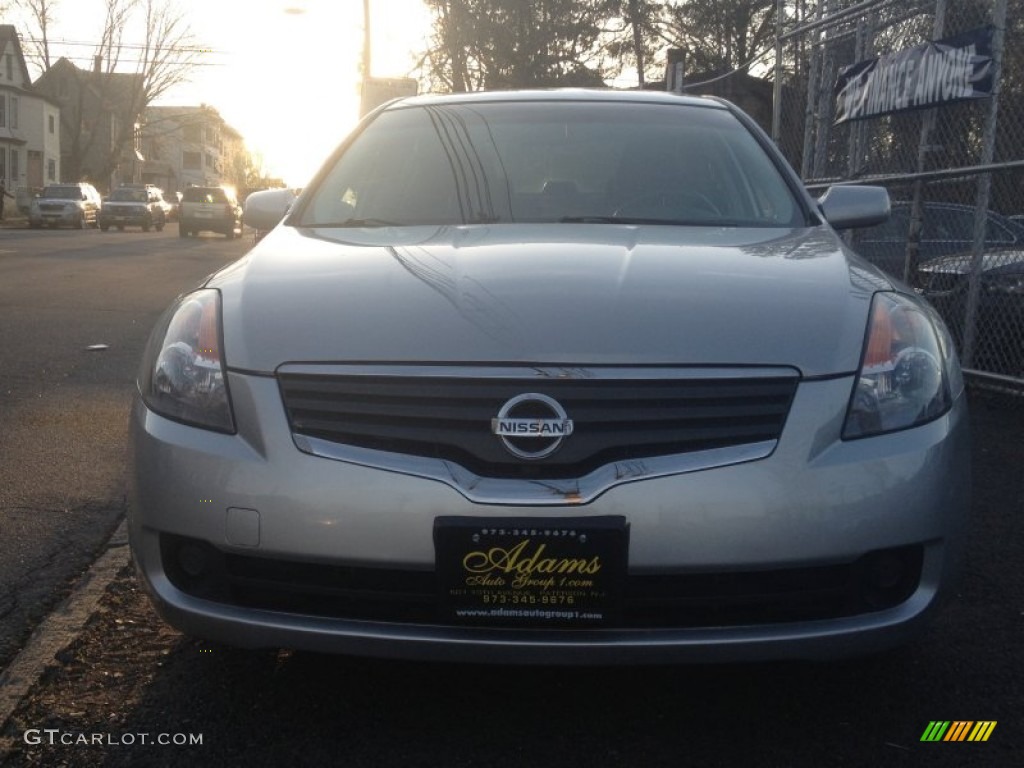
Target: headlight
182	374
908	373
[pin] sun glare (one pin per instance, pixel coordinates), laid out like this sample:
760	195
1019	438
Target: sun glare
287	76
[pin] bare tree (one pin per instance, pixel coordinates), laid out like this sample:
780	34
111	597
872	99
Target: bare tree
170	53
125	79
41	15
118	14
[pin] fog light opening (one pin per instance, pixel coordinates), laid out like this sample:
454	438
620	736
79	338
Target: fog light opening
886	571
194	560
884	579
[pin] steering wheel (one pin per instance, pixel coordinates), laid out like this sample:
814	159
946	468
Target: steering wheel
671	203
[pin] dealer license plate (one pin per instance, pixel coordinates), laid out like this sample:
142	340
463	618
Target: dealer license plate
531	572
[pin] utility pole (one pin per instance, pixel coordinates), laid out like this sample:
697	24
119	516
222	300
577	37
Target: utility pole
377	90
367	56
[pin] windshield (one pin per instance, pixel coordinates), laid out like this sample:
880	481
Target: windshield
129	196
63	193
548	161
205	195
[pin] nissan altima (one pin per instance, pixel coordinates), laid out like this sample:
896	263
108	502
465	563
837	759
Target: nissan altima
552	377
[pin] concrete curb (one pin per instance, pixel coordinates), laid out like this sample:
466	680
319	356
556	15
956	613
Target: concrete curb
62	626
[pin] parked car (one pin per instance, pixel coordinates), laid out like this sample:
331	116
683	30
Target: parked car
552	377
948	228
76	205
942	276
999	340
134	206
209	209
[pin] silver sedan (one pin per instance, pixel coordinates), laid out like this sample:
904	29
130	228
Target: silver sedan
552	377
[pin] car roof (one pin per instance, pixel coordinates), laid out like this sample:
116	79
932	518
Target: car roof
558	94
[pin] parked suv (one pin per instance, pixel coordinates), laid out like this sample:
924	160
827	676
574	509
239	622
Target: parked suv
77	205
134	206
212	209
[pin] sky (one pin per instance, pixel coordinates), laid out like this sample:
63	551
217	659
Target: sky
284	73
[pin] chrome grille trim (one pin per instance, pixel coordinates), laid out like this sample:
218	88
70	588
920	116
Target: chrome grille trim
506	491
540	372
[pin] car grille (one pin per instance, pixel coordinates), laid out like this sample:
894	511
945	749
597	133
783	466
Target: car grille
449	418
873	582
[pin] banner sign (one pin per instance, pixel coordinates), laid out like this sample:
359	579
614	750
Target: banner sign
937	73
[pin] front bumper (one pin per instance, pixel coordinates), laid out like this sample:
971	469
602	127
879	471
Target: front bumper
815	501
209	223
132	219
61	218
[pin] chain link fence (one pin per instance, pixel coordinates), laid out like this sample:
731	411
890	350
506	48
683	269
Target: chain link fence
955	172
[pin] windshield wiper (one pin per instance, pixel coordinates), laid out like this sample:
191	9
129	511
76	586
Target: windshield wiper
365	223
631	220
371	222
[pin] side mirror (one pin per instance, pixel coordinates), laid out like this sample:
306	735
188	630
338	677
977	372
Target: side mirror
264	210
848	207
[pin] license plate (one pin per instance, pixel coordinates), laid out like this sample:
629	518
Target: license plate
203	215
531	572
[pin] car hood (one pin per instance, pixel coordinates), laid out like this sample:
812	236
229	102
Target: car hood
549	294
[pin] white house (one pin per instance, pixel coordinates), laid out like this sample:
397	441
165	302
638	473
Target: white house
29	124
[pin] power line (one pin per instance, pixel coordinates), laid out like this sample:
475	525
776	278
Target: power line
89	59
134	46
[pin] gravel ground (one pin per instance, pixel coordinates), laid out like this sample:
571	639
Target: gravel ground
128	674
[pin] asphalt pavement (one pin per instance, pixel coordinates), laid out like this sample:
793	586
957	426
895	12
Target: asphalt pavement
76	308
